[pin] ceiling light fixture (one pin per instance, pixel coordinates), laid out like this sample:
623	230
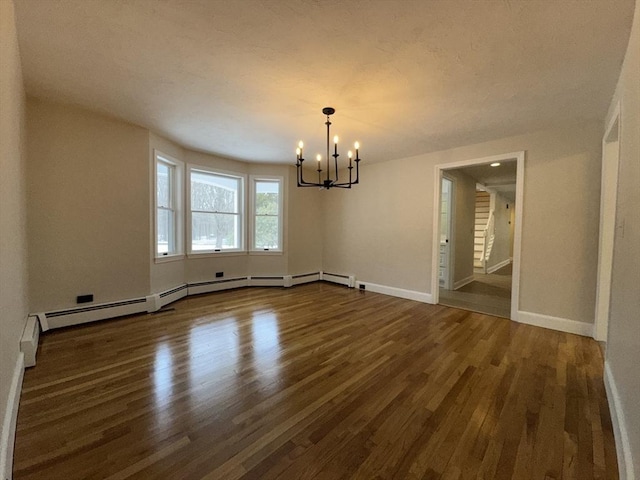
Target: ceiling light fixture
495	164
329	182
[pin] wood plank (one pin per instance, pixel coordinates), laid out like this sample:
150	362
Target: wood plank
316	381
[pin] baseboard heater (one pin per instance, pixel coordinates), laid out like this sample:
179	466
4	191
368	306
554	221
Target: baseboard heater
348	280
305	278
197	288
76	316
154	302
29	340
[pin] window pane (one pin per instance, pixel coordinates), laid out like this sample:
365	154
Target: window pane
163	187
267	198
266	232
214	231
214	193
165	241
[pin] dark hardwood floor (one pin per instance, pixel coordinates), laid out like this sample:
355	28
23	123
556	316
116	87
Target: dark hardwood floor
316	381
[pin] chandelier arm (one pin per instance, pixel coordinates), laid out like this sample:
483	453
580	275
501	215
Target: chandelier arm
301	181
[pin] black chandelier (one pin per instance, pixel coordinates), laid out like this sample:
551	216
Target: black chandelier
329	182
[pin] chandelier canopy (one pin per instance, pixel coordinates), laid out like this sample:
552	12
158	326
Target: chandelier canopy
329	181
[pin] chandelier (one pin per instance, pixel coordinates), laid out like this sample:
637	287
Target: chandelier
329	182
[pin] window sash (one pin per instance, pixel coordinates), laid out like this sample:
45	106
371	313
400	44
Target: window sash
216	211
267	213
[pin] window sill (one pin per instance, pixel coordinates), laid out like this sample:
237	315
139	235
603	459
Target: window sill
169	258
266	252
211	254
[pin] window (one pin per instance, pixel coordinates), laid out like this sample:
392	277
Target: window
266	209
216	212
168	201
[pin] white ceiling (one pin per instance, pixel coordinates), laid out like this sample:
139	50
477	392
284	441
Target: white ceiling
246	79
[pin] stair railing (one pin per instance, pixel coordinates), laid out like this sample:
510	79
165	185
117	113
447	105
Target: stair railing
487	239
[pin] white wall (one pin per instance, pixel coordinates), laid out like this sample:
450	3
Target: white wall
88	201
501	250
623	345
13	213
463	224
381	230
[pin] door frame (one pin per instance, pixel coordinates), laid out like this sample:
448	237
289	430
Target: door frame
451	233
519	157
606	240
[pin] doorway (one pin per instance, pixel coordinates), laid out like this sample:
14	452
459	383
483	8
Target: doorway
484	230
608	197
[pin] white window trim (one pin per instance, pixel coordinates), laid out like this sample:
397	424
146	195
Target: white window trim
252	213
241	208
178	203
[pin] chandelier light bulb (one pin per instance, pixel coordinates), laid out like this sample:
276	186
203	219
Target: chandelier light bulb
335	139
298	151
300	144
318	157
356	145
350	154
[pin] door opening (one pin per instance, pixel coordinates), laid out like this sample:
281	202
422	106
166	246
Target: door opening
478	269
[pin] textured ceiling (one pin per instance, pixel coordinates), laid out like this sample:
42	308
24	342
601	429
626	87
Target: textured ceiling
246	79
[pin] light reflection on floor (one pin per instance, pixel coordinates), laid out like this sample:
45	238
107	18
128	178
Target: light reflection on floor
266	341
163	382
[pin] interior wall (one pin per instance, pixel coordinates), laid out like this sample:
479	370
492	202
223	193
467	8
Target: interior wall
305	227
13	211
381	230
623	344
501	249
88	201
463	223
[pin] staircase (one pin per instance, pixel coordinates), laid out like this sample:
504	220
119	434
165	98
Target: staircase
484	233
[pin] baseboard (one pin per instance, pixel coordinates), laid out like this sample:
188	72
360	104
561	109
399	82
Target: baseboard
93	313
555	323
29	341
397	292
623	445
347	280
498	266
305	278
8	434
197	288
266	281
463	282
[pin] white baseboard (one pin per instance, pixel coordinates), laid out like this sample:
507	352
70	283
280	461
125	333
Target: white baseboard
347	280
197	288
623	445
305	278
397	292
266	281
29	341
498	266
8	434
555	323
463	282
92	313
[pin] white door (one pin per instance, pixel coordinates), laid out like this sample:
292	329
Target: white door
446	205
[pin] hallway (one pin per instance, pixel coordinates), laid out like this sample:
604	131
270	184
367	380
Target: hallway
488	293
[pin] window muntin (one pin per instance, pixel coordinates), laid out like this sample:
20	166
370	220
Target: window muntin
216	212
267	214
168	222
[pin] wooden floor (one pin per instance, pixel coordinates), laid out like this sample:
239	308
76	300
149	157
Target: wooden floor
487	293
316	381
